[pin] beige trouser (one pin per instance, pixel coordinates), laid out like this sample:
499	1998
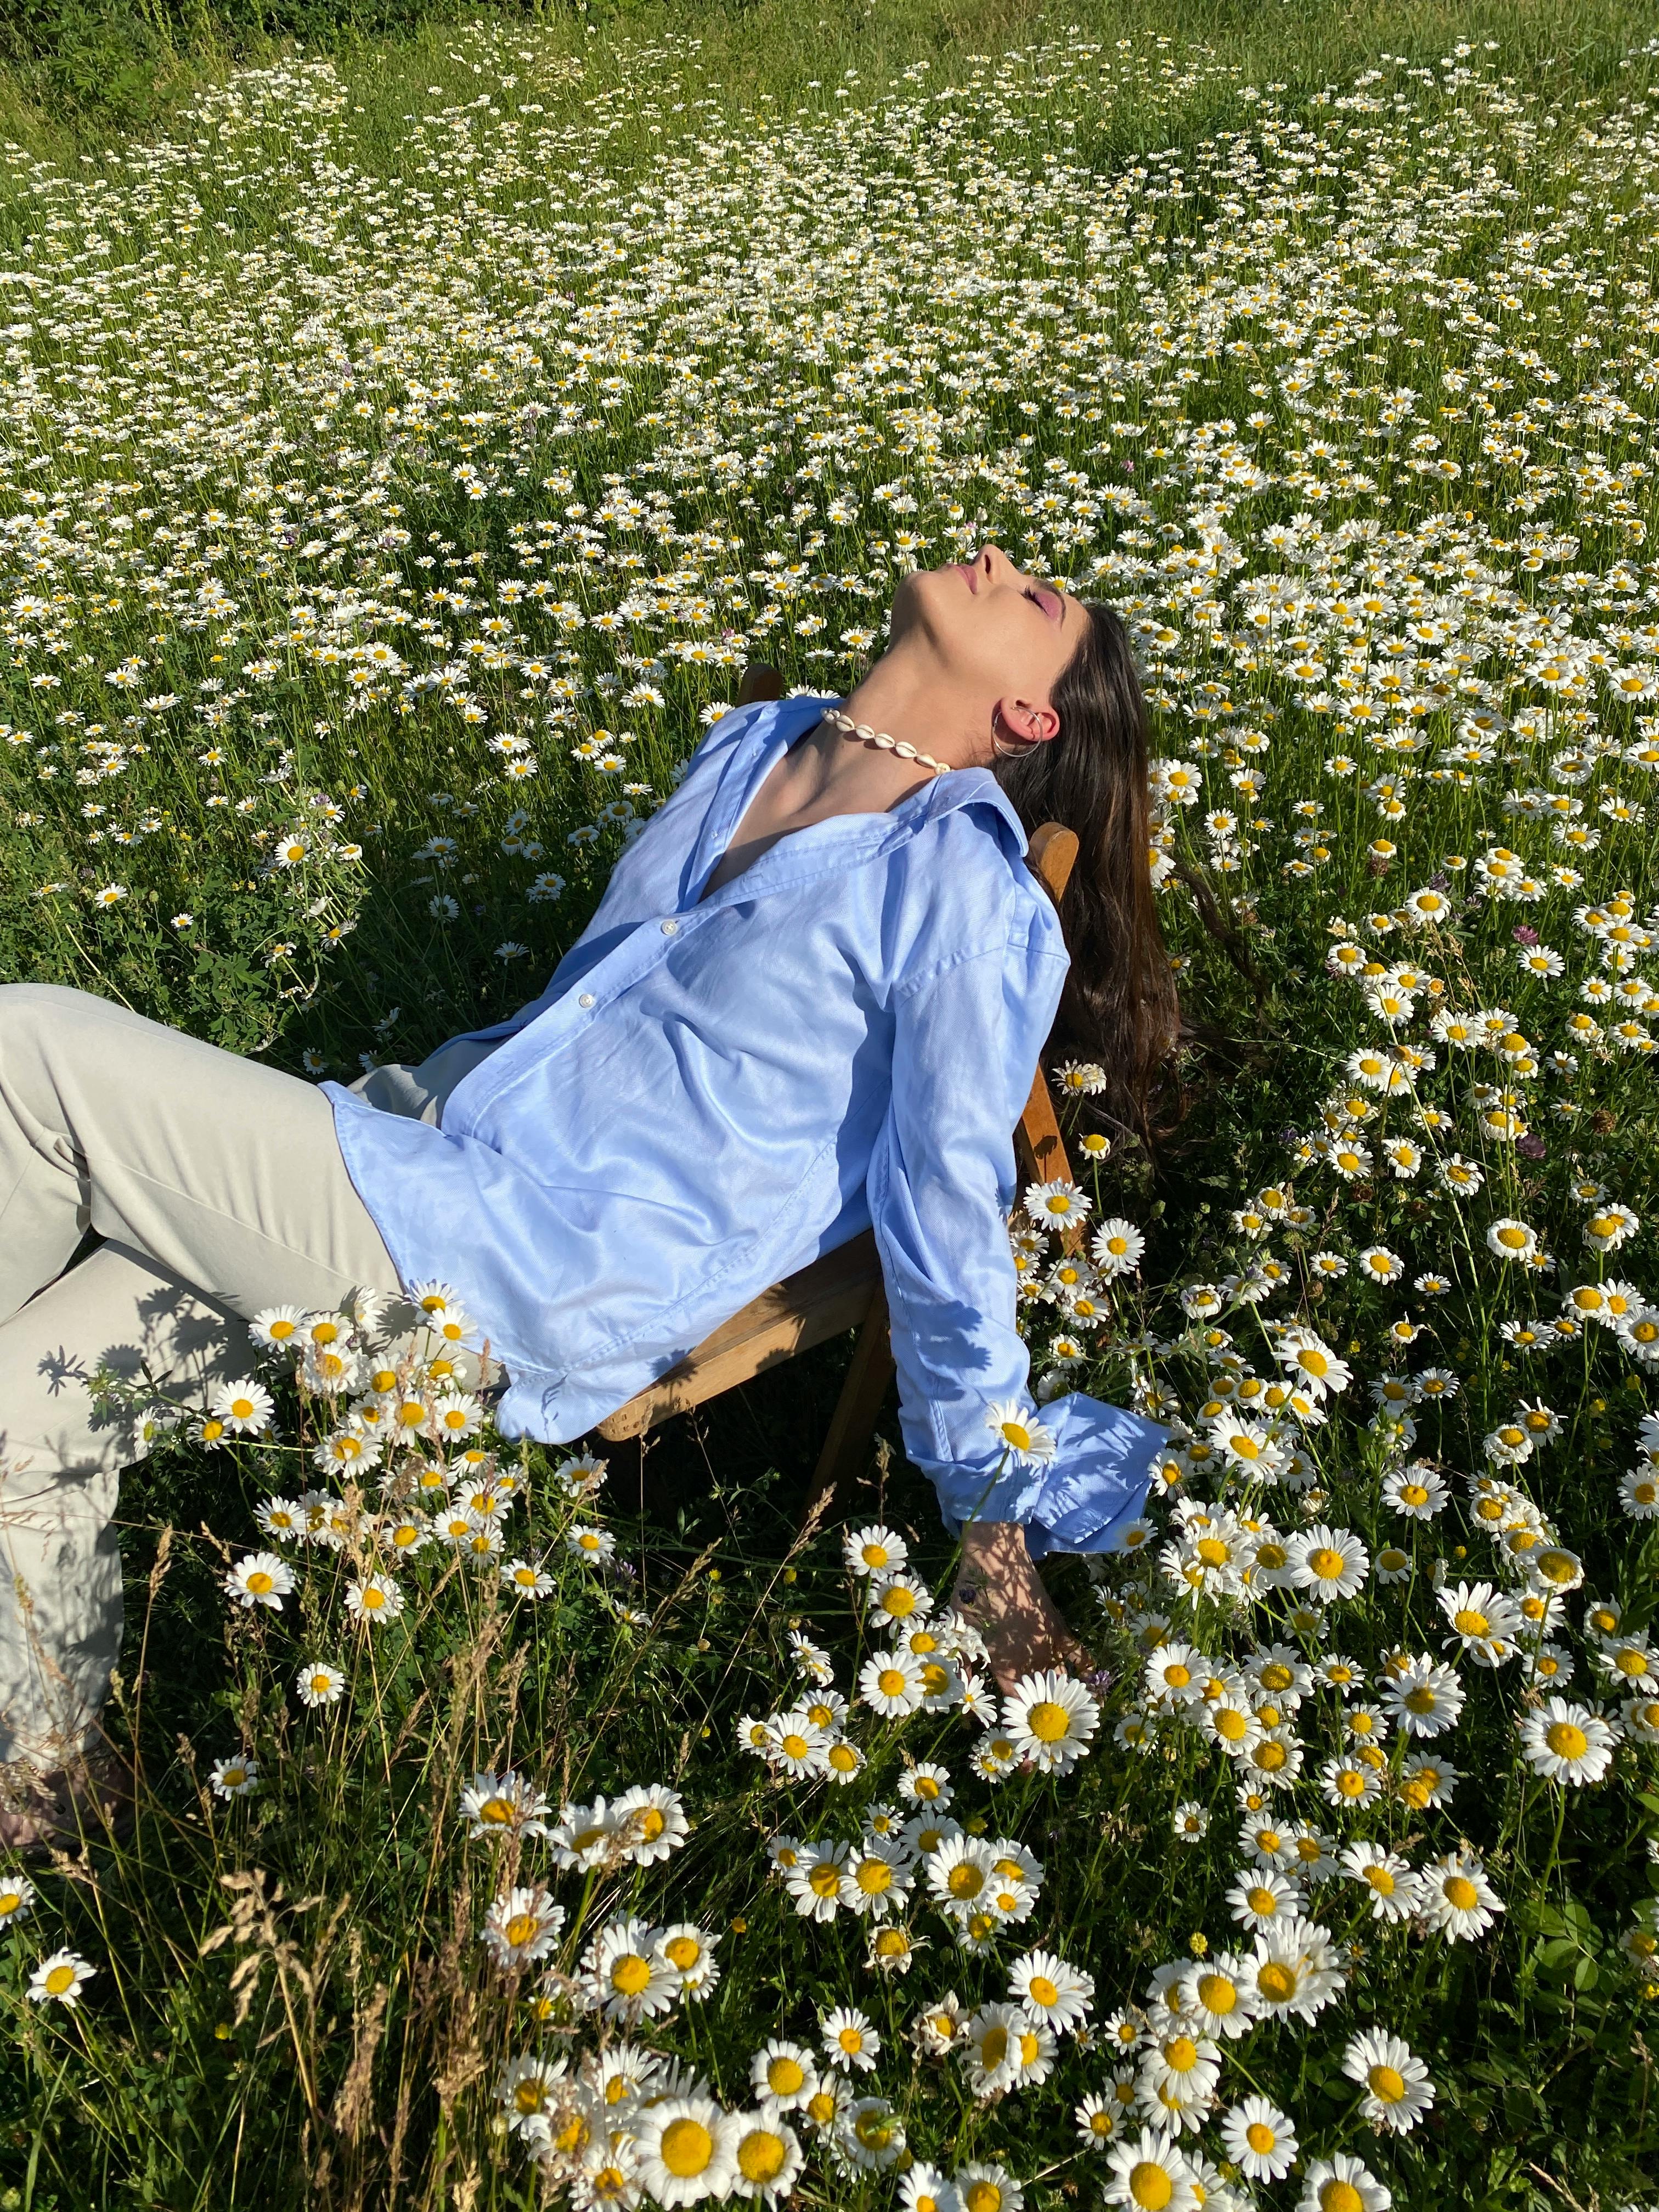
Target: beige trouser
218	1188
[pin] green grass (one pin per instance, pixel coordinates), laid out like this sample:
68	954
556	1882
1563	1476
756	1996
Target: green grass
1346	361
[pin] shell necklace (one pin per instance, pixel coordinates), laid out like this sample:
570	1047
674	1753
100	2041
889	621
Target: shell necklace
901	748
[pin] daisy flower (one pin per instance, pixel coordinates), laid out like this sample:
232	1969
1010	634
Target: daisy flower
1261	1898
261	1578
1391	1884
814	1882
277	1328
246	1408
992	2050
1292	1973
1057	1205
1019	1432
1423	1698
233	1778
785	2075
525	2089
890	1684
877	1879
875	1550
318	1683
1398	2090
1149	2174
653	1816
1329	1563
1511	1240
686	2149
1456	1897
1418	1491
1484	1621
1312	1361
1215	1991
766	2154
849	2038
1260	2139
376	1598
504	1805
60	1980
521	1927
527	1579
925	2189
689	1950
1566	1742
1051	1991
18	1896
1116	1247
985	2186
626	1976
1341	2184
1050	1718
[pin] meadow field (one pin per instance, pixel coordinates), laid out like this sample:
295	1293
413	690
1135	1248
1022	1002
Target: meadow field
400	459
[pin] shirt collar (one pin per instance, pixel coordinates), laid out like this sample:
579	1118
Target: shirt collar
942	794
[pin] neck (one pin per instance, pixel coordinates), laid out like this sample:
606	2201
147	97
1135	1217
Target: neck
911	700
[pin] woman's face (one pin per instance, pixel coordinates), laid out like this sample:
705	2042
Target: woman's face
999	631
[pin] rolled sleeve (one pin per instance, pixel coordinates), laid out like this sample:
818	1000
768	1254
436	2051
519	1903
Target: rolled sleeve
942	1183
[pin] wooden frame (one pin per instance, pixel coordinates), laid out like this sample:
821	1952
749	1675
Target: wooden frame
842	1289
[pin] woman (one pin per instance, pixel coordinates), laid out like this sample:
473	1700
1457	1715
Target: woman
811	999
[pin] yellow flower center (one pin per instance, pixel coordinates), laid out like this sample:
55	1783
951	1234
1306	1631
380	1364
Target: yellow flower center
1150	2186
686	2148
1565	1741
1462	1893
1047	1722
1277	1983
1260	2137
522	1929
761	2155
629	1975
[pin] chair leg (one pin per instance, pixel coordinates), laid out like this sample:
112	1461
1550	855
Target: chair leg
855	1417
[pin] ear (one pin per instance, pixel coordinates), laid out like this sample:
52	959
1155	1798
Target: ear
1031	720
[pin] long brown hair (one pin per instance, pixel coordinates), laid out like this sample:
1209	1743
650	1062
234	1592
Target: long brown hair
1119	1008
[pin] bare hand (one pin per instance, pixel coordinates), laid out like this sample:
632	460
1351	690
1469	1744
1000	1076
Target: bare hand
998	1588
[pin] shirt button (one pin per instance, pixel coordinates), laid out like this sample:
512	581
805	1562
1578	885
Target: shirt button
670	929
586	1000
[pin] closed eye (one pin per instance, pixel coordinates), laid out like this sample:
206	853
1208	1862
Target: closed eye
1042	599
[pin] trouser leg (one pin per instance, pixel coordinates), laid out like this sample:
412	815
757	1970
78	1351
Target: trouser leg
220	1187
61	1459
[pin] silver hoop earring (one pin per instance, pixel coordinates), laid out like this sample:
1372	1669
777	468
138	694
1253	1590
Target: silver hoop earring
1006	751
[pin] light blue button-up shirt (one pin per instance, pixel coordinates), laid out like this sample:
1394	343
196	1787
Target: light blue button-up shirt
711	1092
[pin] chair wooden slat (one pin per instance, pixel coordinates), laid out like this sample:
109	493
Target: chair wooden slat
823	1299
843	1289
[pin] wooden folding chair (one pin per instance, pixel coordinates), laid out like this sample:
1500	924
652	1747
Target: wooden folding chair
841	1290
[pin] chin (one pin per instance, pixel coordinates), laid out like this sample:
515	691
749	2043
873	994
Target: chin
936	598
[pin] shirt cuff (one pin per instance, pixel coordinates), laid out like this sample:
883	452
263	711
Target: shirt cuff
1079	1500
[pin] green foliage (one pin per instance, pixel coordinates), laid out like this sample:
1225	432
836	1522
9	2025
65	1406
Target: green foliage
356	425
